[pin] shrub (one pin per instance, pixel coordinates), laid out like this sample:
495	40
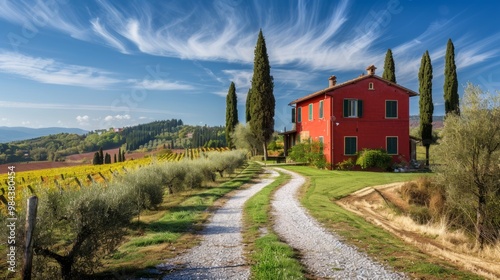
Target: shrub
347	164
420	214
311	153
374	158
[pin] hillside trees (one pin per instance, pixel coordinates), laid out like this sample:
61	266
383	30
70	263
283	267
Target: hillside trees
231	114
450	87
425	103
470	151
262	102
389	67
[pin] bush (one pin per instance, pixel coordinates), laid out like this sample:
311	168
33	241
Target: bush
420	214
425	193
347	164
311	153
374	158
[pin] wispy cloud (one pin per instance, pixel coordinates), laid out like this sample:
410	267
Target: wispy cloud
162	85
111	40
57	15
82	107
49	71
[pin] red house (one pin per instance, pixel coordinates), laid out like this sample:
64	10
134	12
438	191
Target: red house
367	112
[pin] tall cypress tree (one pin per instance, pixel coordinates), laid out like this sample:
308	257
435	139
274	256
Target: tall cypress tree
450	87
248	106
231	113
262	102
425	103
389	67
101	156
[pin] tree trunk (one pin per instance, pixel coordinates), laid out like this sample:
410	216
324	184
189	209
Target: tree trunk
480	215
427	155
265	151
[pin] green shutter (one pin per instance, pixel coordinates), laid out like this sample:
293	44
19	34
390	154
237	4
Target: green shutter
321	109
310	112
350	146
360	108
293	115
346	108
299	114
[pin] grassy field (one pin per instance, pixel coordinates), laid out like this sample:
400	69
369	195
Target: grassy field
270	258
165	233
325	187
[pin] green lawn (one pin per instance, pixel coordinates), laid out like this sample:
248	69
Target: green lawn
270	258
325	187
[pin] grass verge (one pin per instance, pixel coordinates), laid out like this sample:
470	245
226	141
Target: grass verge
270	258
325	187
170	230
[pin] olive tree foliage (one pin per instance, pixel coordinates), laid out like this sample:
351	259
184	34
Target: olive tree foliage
227	162
77	227
470	152
91	223
244	139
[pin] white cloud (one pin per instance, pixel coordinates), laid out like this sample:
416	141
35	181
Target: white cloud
162	85
117	117
83	120
111	40
49	71
33	16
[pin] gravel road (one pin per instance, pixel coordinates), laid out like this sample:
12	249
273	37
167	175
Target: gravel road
220	254
323	254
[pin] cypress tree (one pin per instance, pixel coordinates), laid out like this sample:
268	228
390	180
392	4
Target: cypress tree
101	156
119	155
389	68
96	159
123	155
425	103
107	159
115	161
231	114
262	98
248	106
450	87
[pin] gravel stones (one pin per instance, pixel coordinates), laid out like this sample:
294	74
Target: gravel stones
323	254
220	254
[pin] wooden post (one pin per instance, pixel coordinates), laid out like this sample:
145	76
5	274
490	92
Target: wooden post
30	228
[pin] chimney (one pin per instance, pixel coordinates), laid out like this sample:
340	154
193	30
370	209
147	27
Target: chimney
332	81
371	69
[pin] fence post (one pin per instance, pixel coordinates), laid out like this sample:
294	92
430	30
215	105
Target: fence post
30	228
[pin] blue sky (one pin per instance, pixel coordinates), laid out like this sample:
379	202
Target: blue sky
100	64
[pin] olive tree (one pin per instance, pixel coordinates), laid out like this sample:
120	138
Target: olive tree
470	152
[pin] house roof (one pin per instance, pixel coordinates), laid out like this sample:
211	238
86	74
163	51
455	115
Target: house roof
353	81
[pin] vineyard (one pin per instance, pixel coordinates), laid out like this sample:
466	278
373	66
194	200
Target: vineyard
28	182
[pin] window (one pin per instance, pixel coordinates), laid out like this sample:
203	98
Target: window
350	145
392	145
320	109
299	114
321	140
370	86
391	108
310	112
293	115
353	108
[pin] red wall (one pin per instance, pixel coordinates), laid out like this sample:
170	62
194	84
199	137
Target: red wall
317	127
371	129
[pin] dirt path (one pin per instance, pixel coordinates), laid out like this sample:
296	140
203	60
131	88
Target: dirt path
370	204
323	253
220	254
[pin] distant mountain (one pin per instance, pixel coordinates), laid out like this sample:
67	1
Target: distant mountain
437	121
8	134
